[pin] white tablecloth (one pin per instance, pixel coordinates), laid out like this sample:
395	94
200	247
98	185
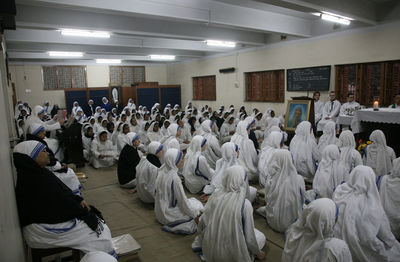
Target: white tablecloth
345	120
384	115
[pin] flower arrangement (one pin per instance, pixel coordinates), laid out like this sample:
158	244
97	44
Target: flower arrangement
362	146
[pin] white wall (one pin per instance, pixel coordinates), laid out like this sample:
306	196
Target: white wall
378	44
29	77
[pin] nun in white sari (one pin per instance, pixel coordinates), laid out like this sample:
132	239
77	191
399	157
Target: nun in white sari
104	154
171	141
328	137
35	117
310	238
172	208
248	156
122	138
362	221
146	172
213	150
273	142
284	192
331	172
389	190
226	229
348	154
378	155
304	150
196	171
153	133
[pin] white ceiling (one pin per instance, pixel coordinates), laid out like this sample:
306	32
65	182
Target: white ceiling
176	27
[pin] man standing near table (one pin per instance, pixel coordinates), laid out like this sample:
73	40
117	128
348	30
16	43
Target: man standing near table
396	102
348	108
330	112
318	107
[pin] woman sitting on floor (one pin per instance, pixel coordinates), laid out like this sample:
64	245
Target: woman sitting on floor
146	172
213	150
228	216
87	139
172	208
62	171
104	153
128	160
348	153
50	214
310	238
196	171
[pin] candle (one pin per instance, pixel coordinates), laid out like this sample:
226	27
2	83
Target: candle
376	104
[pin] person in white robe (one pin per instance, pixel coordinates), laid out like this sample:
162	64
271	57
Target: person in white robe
362	221
80	116
304	150
133	125
331	172
227	129
331	111
153	134
284	192
248	156
104	154
196	171
348	108
172	208
378	155
348	153
98	256
318	107
36	117
163	130
276	129
97	126
87	139
228	215
213	150
171	141
389	191
131	104
147	171
122	138
328	137
310	238
63	219
75	107
273	142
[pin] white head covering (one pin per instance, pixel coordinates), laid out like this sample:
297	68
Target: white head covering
223	220
207	125
331	172
37	110
98	256
307	238
229	157
377	154
304	150
362	222
35	129
270	144
132	137
347	146
284	190
328	137
30	148
154	148
193	154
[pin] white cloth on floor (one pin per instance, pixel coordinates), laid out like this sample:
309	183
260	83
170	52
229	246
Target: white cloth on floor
196	171
328	137
348	154
273	142
213	150
362	222
248	157
310	238
331	172
229	216
304	150
74	234
389	190
284	191
378	155
172	208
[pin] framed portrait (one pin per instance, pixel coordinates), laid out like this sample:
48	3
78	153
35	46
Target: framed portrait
296	111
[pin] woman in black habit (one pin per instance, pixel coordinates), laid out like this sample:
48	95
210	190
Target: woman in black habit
128	160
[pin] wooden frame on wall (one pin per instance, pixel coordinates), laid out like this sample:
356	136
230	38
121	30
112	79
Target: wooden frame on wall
204	88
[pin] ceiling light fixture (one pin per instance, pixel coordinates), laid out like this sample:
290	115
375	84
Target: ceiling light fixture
85	33
65	54
162	57
108	61
220	43
336	18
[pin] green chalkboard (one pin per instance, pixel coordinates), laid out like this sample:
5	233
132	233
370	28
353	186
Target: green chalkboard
308	79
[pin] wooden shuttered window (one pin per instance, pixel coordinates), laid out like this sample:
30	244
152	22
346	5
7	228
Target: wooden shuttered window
369	82
265	86
126	75
204	88
64	77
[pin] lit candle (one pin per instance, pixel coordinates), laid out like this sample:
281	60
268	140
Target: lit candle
376	104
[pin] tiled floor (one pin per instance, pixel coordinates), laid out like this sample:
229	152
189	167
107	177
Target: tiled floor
125	213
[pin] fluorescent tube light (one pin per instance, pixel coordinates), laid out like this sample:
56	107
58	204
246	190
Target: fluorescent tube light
65	54
162	57
221	43
340	16
108	61
335	18
85	33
